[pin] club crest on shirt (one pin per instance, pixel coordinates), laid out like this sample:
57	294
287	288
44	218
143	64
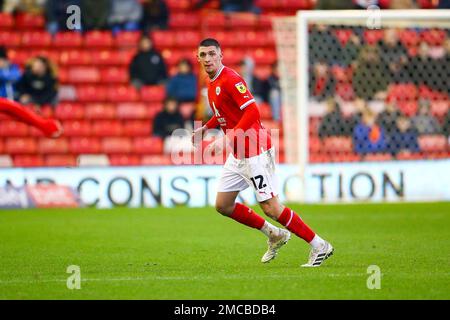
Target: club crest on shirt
241	88
217	90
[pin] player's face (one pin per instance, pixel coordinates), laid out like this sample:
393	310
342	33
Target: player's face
210	58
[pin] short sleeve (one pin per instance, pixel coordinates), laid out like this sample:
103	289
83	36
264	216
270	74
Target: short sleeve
239	92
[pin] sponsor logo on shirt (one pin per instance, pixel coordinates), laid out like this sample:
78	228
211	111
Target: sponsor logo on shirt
241	88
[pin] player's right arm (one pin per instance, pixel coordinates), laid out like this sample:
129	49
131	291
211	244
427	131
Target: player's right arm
198	133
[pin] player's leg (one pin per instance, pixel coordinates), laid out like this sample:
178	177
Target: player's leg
230	184
50	127
320	249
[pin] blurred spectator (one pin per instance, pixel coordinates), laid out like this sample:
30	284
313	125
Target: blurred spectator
9	74
322	83
232	5
333	123
28	6
388	117
183	85
56	14
370	79
147	66
273	90
38	84
394	54
446	125
349	53
94	14
255	85
404	137
168	120
369	137
423	70
125	15
323	46
424	122
156	15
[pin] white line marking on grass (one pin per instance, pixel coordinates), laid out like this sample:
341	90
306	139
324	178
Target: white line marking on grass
181	278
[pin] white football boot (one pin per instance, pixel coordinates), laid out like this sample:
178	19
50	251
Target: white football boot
319	255
274	244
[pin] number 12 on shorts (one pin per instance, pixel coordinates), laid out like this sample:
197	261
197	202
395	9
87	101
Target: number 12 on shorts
260	183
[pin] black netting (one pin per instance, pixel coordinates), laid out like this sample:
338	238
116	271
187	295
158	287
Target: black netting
378	94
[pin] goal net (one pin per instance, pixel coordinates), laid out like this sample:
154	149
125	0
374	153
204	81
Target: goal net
363	86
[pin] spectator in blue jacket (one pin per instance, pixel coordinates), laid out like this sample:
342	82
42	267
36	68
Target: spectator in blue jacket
404	137
9	74
368	136
183	86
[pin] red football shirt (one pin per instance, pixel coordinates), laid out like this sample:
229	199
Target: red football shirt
228	96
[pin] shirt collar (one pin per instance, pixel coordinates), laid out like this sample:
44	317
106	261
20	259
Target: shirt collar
217	74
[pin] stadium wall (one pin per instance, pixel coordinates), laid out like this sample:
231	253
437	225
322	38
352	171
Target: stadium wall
196	186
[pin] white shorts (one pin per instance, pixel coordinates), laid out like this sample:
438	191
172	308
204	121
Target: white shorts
257	172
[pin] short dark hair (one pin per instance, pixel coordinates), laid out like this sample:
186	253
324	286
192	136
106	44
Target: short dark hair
209	42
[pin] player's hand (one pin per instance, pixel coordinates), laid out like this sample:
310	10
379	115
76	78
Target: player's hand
197	136
217	146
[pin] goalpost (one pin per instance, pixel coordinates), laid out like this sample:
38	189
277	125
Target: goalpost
325	56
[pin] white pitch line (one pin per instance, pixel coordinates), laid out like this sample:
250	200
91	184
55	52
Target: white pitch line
169	278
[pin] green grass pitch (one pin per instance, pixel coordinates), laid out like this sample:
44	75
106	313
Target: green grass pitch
185	253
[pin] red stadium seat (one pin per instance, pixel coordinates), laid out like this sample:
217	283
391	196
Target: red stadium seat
60	160
133	110
430	94
28	161
20	145
156	160
10	128
163	39
409	156
111	145
84	74
137	128
98	39
30	21
408	108
122	93
77	128
440	108
114	75
343	35
1	145
243	20
171	56
409	38
315	145
345	91
265	111
10	39
433	143
6	21
153	93
148	145
89	93
214	20
371	37
345	157
67	39
88	145
184	20
335	145
46	146
187	39
178	5
433	37
106	57
127	39
36	39
69	111
377	157
402	92
105	128
75	57
100	111
264	56
124	160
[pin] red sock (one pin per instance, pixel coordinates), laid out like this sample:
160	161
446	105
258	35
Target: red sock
292	222
247	216
49	126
